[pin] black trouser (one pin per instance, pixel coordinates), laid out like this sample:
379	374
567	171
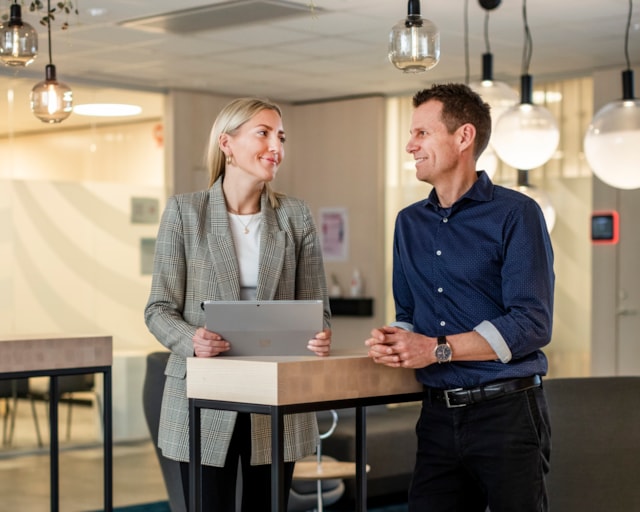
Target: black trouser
219	484
494	453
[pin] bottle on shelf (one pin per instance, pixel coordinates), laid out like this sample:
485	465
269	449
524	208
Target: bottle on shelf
356	284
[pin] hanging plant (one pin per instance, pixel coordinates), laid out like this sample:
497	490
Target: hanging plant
65	7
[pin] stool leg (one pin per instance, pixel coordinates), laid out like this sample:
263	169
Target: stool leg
319	491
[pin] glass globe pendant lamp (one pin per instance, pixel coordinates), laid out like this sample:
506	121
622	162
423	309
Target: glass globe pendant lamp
526	136
612	141
414	43
51	101
18	40
613	137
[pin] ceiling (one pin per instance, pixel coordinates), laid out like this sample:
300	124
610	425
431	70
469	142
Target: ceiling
321	49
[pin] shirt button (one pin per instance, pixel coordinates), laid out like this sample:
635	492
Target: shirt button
439	253
439	290
442	323
445	220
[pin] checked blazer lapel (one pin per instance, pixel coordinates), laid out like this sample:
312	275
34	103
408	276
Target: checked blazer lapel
223	252
272	252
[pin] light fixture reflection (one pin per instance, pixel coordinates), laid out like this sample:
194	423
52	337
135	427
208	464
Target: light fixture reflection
18	40
414	43
539	196
613	137
107	110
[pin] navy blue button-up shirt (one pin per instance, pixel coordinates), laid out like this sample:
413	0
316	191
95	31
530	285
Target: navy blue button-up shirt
485	264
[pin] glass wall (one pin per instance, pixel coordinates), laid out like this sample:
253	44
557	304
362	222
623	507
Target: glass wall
79	210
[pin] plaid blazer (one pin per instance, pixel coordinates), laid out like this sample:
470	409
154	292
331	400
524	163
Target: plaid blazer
194	261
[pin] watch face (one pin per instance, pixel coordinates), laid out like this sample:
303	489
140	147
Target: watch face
443	353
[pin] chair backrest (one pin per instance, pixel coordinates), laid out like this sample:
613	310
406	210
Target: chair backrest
152	401
595	455
14	387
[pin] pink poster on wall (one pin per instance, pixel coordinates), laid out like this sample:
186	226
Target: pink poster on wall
334	234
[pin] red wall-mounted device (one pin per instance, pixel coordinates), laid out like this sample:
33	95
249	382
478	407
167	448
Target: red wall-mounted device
605	227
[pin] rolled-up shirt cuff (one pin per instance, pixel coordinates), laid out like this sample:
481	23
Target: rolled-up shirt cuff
403	325
488	331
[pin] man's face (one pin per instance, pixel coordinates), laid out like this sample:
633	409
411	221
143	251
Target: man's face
434	149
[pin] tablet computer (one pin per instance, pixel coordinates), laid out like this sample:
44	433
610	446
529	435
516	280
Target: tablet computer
269	328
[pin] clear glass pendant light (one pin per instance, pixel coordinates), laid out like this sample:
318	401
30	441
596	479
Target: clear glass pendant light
51	101
613	137
414	43
18	40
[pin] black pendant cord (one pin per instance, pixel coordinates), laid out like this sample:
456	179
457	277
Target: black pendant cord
466	42
527	51
487	46
628	89
626	35
49	30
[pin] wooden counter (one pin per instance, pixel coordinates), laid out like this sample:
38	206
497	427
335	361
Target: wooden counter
289	380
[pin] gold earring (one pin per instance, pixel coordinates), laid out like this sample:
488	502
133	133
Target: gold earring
228	160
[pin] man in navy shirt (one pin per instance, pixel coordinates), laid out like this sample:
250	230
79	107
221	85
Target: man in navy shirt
473	287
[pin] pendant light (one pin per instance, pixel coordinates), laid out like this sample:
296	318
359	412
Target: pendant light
613	137
414	43
499	95
526	136
18	40
538	195
51	101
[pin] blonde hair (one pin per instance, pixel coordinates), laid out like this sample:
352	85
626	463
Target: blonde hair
229	121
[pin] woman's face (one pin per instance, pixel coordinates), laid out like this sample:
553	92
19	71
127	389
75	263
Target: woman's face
257	148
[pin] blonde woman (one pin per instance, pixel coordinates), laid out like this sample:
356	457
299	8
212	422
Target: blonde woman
236	240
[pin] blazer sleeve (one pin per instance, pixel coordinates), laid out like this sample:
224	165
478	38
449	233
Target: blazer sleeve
164	311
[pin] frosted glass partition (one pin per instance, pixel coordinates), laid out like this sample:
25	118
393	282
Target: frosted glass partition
79	213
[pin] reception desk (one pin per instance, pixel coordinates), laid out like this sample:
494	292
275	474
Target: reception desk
290	384
55	356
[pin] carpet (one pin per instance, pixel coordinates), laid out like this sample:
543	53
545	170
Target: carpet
163	506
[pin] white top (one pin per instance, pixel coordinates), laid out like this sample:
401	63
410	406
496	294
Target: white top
246	231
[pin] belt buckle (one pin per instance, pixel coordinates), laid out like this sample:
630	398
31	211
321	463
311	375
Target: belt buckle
446	398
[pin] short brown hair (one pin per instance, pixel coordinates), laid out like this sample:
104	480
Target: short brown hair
460	105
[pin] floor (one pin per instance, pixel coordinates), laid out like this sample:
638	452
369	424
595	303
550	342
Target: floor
24	467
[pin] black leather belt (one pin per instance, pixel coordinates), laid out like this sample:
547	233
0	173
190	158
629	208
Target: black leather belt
460	397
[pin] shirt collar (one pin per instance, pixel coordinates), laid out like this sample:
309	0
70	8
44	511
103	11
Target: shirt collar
481	190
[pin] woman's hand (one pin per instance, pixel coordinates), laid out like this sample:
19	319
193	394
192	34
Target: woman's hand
321	344
208	343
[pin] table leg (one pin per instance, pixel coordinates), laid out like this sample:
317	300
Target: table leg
361	462
277	460
54	477
107	415
195	469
